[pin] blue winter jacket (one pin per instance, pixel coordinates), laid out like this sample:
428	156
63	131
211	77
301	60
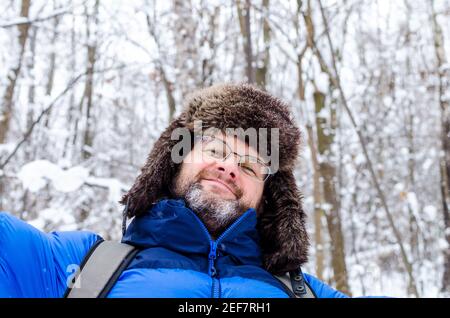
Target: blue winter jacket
178	258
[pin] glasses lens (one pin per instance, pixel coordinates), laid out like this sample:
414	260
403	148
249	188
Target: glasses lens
214	148
254	168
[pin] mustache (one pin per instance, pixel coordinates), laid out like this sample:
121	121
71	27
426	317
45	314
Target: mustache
205	174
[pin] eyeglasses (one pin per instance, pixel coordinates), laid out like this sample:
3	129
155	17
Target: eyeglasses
251	166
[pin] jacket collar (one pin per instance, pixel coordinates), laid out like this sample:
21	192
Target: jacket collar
171	224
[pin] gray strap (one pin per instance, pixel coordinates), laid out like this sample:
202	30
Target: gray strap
100	267
287	281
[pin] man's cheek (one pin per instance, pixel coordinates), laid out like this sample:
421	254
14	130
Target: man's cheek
189	172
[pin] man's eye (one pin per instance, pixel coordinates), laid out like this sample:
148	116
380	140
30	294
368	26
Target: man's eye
213	152
249	170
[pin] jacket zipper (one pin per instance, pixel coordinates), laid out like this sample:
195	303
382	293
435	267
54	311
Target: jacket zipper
212	270
213	253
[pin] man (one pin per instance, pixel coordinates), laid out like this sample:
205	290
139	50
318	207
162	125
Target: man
220	222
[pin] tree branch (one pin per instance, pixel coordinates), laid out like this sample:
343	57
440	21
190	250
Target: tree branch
47	110
23	21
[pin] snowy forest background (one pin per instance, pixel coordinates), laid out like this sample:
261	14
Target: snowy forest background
87	86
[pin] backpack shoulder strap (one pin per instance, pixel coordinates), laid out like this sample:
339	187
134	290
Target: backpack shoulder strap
100	269
295	285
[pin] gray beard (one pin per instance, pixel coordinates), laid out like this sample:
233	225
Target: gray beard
216	213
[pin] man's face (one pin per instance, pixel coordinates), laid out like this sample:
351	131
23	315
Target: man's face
219	191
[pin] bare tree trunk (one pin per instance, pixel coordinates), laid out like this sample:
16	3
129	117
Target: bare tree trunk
325	130
262	66
187	48
89	87
318	210
301	54
52	67
32	89
413	222
208	63
325	138
168	85
410	129
72	117
8	97
443	75
7	108
245	26
353	229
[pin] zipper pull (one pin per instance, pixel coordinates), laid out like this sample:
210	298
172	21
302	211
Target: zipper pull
212	258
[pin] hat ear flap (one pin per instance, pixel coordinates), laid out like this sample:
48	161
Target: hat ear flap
282	229
155	178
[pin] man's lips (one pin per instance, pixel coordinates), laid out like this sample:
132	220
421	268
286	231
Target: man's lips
222	184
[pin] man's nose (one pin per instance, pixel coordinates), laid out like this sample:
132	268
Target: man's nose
228	168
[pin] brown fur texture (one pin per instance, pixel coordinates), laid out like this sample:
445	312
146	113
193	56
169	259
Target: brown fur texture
284	241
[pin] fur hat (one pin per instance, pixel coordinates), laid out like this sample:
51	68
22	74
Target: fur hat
281	225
